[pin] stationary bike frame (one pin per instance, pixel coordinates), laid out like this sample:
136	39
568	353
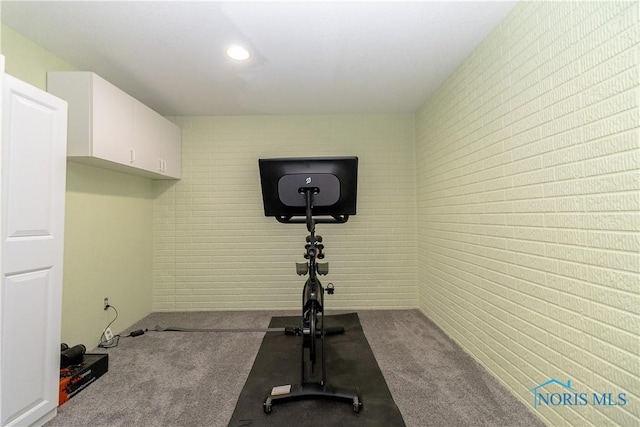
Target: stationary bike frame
312	307
313	385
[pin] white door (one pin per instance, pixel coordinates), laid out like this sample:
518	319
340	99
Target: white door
32	222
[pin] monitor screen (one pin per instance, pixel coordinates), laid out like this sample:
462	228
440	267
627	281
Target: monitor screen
333	179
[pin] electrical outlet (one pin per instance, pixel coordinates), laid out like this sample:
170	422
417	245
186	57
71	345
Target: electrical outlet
106	303
108	335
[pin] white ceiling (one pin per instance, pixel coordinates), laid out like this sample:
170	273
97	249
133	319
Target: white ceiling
308	57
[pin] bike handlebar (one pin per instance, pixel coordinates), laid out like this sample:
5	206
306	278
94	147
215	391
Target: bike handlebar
335	219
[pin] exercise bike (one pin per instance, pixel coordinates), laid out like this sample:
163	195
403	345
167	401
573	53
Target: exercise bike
310	187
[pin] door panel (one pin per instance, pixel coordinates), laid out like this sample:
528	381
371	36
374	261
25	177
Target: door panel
33	186
29	216
27	298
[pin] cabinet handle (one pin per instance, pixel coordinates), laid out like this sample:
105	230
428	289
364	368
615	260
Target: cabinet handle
162	166
132	155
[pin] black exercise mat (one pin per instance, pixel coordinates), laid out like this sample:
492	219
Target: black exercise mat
350	363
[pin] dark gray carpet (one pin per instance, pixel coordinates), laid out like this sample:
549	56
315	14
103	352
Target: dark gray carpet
195	378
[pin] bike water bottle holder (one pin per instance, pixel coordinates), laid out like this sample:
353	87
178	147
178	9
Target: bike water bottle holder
302	268
322	268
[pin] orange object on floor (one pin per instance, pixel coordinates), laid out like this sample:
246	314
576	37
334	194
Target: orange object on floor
74	379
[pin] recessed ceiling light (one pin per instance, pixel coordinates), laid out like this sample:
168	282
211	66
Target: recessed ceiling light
238	52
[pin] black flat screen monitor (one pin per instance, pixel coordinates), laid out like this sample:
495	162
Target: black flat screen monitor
334	180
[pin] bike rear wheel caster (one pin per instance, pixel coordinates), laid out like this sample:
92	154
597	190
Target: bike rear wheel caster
357	404
267	406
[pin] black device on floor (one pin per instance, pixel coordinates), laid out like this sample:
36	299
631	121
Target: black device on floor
71	355
322	190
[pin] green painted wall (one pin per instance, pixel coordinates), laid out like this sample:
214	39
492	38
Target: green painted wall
215	249
108	225
527	205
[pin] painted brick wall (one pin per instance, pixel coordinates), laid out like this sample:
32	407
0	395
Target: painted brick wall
528	205
215	250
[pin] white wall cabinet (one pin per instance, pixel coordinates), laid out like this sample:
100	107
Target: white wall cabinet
111	129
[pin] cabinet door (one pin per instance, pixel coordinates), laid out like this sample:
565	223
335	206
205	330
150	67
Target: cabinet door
76	89
171	150
147	134
32	211
112	121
